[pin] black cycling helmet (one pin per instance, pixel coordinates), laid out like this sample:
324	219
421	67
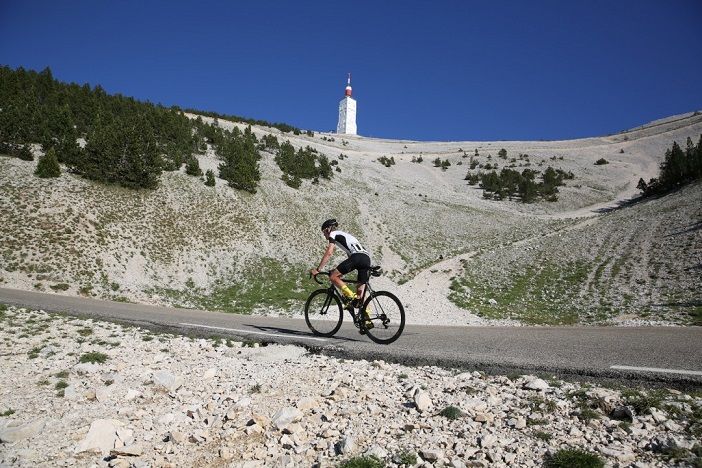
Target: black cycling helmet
329	223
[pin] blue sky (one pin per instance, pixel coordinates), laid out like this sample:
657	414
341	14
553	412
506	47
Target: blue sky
425	70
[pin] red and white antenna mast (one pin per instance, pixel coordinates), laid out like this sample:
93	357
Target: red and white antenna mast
348	86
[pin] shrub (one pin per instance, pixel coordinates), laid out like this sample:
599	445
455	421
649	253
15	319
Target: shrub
363	462
405	458
93	357
451	412
601	161
387	162
209	178
437	162
502	153
573	458
48	165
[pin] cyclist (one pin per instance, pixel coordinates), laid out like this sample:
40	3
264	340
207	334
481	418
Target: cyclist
358	259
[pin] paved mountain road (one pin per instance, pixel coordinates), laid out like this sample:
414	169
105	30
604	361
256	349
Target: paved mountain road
671	355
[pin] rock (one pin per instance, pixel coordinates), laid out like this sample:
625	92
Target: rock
536	384
487	440
347	445
71	393
90	394
132	394
658	415
167	381
517	423
431	454
306	403
259	419
286	416
484	417
457	463
492	302
125	435
474	404
377	451
129	451
101	437
16	430
622	413
177	437
422	401
210	373
102	394
620	453
84	368
226	454
672	426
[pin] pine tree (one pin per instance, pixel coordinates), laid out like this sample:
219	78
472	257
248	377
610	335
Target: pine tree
192	167
48	165
209	178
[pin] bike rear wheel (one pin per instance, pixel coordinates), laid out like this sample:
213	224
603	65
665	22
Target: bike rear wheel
323	313
387	316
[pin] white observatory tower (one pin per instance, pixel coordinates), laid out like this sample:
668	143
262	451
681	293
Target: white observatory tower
347	112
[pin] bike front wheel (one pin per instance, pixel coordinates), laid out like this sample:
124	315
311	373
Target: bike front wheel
387	316
323	313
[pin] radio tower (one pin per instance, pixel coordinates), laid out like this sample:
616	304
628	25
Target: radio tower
347	112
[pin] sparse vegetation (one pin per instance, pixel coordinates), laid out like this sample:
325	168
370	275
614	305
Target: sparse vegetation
573	458
94	357
363	462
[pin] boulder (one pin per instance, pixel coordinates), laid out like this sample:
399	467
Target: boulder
16	430
167	381
422	401
536	384
130	451
285	416
431	455
622	413
101	437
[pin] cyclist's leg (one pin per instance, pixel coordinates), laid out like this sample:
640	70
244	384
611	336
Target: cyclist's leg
362	264
335	277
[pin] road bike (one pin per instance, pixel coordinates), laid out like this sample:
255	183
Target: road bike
324	311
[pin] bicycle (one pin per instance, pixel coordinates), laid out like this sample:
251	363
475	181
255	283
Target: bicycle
324	312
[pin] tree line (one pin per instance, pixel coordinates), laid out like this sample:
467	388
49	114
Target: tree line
677	169
510	183
122	140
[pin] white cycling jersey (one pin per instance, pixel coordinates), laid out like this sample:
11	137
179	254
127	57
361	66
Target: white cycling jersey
347	242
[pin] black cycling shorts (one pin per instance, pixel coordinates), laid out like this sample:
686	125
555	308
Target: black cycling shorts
357	261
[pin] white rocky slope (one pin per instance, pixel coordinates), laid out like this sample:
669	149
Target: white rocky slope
187	244
166	401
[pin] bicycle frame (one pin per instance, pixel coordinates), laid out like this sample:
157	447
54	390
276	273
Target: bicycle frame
366	291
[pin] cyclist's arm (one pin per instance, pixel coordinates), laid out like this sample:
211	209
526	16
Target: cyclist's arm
327	255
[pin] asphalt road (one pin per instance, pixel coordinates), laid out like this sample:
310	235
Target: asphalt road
654	355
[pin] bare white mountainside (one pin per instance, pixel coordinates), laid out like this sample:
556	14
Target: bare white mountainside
451	255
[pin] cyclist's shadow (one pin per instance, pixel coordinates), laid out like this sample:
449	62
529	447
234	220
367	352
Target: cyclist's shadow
298	333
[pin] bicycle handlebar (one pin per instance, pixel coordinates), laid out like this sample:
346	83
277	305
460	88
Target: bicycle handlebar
320	273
